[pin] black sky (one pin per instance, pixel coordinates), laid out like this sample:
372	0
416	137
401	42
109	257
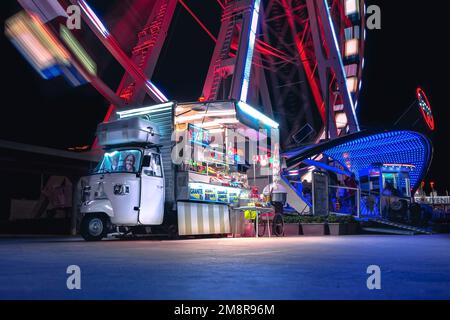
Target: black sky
412	49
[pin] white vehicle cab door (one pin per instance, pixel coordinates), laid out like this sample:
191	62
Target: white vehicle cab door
152	191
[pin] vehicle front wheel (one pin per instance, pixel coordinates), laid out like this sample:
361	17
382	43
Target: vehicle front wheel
172	232
93	227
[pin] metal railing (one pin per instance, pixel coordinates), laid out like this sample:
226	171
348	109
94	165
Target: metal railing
344	200
370	204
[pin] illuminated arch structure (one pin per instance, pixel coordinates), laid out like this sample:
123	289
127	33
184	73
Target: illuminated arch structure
361	150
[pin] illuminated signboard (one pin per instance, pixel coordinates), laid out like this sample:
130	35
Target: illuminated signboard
425	108
198	135
213	193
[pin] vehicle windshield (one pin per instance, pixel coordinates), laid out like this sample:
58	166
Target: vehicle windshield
123	161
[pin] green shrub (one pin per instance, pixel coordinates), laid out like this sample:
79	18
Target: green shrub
307	219
312	219
349	219
332	218
291	219
303	219
319	219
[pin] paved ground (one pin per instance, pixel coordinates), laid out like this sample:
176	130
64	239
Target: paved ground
415	267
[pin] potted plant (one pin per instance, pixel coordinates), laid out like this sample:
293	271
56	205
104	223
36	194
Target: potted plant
313	225
291	225
352	224
337	225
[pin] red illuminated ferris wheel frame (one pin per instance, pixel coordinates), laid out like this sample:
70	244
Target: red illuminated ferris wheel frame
330	40
425	109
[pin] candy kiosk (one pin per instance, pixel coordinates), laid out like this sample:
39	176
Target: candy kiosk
230	152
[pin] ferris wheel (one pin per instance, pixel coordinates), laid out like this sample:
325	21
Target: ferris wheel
326	38
300	61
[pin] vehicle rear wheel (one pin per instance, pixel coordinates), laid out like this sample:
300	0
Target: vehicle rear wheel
93	227
398	210
415	213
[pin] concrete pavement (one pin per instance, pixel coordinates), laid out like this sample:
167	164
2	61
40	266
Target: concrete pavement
412	267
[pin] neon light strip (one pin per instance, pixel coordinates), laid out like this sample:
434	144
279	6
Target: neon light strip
340	60
156	91
398	165
251	47
145	110
257	115
142	113
181	119
93	17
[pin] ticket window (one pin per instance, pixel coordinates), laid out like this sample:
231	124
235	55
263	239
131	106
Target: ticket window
406	187
390	179
370	182
399	182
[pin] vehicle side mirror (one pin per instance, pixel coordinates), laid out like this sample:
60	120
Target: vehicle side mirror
146	161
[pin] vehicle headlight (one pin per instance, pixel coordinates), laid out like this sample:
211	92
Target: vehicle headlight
121	189
86	193
100	192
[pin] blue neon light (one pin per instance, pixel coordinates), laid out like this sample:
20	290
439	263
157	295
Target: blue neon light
251	46
403	147
257	115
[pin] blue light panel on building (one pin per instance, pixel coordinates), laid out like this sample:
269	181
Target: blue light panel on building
402	147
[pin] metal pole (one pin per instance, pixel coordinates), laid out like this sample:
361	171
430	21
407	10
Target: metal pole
257	223
432	196
75	202
235	222
312	195
327	108
358	204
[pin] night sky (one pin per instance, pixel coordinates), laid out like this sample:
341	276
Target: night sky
411	50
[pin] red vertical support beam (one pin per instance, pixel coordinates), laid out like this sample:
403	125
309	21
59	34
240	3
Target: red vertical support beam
113	47
321	54
159	20
318	93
